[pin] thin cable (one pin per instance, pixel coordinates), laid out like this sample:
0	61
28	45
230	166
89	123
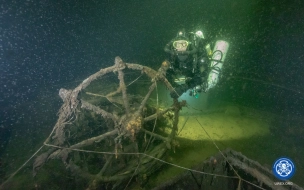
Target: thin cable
142	154
13	174
148	141
218	149
239	177
269	83
134	80
183	126
155	121
138	153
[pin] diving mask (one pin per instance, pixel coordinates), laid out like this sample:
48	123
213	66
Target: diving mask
180	45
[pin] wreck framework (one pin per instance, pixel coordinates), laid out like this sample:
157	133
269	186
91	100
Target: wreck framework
127	138
124	157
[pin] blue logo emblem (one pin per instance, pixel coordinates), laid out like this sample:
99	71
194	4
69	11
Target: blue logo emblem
283	168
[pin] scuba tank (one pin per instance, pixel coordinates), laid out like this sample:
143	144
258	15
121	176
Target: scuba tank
218	57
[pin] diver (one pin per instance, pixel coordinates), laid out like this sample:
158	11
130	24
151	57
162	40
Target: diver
193	65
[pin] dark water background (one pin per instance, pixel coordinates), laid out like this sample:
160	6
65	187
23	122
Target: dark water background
49	44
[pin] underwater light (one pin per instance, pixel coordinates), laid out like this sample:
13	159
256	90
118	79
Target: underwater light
220	127
224	124
196	102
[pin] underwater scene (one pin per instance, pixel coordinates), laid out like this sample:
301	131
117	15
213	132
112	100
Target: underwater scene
156	95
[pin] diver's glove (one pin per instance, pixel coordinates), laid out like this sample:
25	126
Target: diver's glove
178	91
